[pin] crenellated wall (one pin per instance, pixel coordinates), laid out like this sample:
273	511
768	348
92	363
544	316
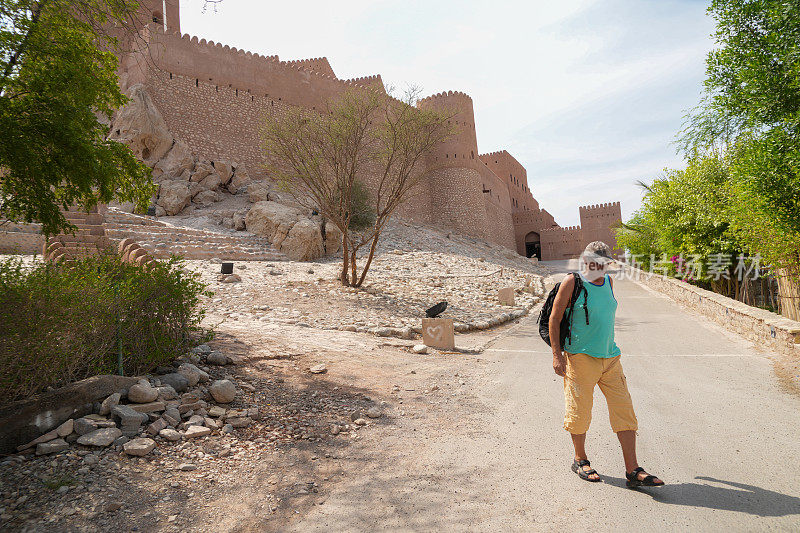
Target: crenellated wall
215	98
460	150
562	243
598	220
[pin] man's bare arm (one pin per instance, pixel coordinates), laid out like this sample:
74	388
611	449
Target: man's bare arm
563	297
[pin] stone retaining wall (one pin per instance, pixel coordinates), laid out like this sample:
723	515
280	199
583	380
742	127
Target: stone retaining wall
18	242
758	325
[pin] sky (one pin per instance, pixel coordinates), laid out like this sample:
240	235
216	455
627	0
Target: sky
587	94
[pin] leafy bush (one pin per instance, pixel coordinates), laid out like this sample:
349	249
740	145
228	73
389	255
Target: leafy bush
68	321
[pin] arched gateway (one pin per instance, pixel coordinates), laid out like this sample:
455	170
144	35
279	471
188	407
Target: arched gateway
533	247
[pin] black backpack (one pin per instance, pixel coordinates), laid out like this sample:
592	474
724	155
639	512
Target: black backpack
566	320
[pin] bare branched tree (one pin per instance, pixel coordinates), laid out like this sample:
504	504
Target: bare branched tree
355	163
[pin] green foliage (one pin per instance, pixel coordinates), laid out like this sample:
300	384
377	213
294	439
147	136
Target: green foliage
60	322
740	192
752	102
362	214
683	213
56	78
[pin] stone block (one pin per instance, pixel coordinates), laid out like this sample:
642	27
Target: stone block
151	407
506	296
438	333
53	446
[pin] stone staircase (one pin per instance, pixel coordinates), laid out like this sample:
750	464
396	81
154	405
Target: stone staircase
90	236
162	240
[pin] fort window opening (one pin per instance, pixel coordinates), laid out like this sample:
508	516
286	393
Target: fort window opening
472	154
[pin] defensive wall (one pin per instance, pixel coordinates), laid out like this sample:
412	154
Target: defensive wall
214	98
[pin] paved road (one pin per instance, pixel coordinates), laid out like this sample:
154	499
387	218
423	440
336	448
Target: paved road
714	424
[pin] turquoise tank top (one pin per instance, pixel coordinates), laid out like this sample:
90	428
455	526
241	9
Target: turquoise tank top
596	338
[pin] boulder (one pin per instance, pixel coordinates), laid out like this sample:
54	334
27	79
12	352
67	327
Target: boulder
165	392
201	170
258	191
271	219
110	403
239	222
211	182
196	431
178	161
225	171
170	434
151	407
66	428
174	196
128	417
241	179
82	426
53	446
100	437
176	381
217	358
223	391
139	447
206	198
332	242
303	242
140	125
195	189
141	393
192	374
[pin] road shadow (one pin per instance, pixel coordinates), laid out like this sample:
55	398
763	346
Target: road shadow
723	495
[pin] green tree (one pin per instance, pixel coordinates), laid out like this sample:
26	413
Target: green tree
58	85
752	102
356	162
684	213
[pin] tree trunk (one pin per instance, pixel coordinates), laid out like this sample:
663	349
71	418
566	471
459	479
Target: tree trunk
353	268
372	248
345	258
788	293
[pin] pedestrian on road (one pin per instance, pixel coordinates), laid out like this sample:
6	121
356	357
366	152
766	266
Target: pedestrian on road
590	357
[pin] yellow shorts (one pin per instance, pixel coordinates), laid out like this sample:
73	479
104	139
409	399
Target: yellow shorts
583	373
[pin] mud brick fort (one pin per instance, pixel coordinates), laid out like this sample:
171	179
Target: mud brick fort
214	97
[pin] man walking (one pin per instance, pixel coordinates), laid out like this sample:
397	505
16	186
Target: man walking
591	357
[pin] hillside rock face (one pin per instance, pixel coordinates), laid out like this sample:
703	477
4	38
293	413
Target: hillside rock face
140	125
186	181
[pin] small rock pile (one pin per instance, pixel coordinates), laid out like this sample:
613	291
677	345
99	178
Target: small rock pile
176	404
